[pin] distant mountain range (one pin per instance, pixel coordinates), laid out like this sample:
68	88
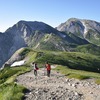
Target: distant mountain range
86	29
40	36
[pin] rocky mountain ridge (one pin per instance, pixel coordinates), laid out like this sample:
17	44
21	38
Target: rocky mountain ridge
40	36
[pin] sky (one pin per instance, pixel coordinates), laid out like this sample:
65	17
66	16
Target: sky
52	12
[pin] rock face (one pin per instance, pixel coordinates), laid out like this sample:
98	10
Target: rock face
86	29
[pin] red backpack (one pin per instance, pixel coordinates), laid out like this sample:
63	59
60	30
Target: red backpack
36	67
48	66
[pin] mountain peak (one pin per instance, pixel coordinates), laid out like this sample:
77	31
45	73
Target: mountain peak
35	25
73	19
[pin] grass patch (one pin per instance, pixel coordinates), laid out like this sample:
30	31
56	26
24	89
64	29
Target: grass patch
11	73
24	52
11	92
89	48
8	89
78	74
97	81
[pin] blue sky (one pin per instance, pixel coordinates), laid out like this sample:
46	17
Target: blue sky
52	12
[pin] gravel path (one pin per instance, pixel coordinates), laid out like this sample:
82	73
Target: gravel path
57	87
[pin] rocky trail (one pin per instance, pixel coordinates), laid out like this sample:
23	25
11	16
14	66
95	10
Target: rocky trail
57	87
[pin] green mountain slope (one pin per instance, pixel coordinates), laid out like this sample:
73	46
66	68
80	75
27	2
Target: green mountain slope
89	48
74	60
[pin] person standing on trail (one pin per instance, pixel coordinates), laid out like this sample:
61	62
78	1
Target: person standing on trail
48	67
34	65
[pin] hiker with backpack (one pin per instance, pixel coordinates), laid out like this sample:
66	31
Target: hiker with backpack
34	65
48	68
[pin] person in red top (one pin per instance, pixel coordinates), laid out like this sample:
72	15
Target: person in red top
48	67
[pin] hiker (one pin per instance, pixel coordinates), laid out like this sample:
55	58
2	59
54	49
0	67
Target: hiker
34	65
48	67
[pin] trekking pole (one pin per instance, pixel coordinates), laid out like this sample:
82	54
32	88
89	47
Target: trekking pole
35	75
44	74
44	71
36	79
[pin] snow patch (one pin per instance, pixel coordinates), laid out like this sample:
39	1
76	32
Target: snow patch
62	35
18	63
85	28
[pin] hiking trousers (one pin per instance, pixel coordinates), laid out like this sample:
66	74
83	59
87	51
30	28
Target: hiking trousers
48	73
35	72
